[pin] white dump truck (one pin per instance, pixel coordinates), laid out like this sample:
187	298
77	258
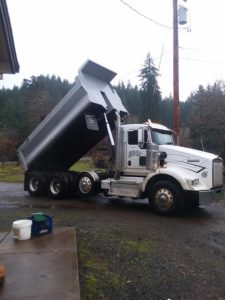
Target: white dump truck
147	163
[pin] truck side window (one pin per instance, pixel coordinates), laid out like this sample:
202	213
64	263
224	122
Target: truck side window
133	137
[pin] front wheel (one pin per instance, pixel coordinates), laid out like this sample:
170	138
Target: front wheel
85	185
165	197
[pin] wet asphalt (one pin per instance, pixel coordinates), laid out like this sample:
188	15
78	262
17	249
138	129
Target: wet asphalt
13	196
191	244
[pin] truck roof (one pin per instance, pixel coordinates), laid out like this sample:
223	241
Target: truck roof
76	124
153	125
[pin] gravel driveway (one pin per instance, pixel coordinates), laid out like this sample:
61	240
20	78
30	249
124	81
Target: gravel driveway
128	252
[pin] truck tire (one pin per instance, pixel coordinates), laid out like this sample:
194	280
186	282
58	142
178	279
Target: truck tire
85	185
36	183
165	197
59	186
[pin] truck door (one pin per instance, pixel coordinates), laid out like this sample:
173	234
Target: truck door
136	157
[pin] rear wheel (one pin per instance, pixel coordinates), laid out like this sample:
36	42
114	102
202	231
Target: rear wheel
165	197
36	183
59	186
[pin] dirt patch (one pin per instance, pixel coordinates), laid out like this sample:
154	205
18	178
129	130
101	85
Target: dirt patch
129	264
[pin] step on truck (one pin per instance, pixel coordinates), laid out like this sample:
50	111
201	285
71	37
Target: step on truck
146	161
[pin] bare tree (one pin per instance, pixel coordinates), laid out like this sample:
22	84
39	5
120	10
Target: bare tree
7	148
207	118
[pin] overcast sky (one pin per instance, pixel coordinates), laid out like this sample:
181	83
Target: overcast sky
56	37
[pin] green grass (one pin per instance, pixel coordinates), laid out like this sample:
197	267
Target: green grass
83	165
11	173
15	173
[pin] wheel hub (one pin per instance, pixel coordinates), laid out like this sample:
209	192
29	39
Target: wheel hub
164	198
55	186
34	184
85	185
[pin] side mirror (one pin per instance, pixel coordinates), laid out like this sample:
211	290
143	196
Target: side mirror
162	158
162	155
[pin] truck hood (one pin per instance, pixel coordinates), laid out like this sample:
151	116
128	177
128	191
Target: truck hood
187	157
186	153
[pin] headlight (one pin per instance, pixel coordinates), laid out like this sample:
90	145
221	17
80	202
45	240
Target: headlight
195	181
192	182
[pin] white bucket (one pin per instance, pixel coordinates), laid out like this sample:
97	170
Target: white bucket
22	230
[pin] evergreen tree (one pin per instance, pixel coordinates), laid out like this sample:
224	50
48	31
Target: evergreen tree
130	97
40	95
166	109
21	109
150	91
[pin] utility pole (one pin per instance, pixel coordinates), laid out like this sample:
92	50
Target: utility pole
176	105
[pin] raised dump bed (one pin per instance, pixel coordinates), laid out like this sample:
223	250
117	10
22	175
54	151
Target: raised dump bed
76	123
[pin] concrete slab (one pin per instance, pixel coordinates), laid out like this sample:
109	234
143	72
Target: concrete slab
41	268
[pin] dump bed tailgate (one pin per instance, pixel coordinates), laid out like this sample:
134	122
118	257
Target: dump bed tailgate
75	124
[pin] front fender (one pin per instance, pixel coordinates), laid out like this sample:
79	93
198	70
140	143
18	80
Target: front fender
94	175
177	174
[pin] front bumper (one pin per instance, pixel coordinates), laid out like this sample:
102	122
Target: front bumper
206	197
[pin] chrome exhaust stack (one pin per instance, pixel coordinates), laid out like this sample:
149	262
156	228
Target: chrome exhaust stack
117	157
152	151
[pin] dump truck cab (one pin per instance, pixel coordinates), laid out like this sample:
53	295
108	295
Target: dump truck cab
133	144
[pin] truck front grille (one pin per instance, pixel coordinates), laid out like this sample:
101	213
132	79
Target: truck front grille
217	172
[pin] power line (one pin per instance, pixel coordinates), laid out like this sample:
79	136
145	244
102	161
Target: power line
123	76
202	50
203	61
137	70
163	55
144	16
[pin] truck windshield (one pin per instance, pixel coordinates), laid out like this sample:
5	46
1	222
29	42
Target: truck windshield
162	137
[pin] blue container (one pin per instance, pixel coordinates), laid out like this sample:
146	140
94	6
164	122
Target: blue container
41	227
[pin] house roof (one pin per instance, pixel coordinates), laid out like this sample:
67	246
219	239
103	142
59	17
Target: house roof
8	59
